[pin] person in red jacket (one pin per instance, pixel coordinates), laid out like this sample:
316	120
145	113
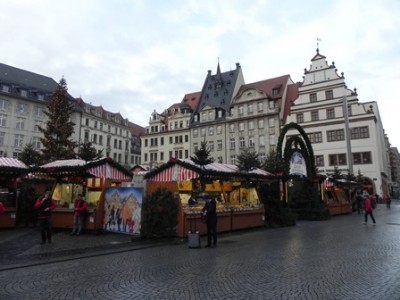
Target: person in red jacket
45	206
2	209
368	210
80	207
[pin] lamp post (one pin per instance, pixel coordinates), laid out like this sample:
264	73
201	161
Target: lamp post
347	134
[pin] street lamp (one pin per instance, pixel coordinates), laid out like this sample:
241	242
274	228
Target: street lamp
347	134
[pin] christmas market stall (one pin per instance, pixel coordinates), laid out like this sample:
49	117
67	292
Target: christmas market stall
11	170
338	195
90	179
238	202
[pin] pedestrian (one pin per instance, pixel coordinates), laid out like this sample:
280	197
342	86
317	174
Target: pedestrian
359	199
388	200
80	207
2	209
45	205
368	210
210	210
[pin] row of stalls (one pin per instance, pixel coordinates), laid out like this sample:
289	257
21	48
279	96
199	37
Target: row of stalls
238	201
338	196
101	182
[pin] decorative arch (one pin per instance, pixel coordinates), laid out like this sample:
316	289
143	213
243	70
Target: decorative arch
296	143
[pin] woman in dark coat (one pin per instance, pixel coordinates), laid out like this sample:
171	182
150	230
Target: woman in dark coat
210	209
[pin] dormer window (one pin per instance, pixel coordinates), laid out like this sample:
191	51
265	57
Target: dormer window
24	93
5	88
275	91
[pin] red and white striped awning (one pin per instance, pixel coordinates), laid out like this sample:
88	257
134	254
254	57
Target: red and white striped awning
109	172
12	162
174	173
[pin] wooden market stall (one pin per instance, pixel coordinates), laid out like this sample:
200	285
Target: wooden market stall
10	171
337	195
90	179
238	202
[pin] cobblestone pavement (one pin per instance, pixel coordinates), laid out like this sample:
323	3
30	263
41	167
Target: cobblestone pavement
336	259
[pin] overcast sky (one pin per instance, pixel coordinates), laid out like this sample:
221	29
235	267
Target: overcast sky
136	56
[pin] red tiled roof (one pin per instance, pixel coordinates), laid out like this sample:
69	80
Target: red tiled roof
192	99
267	86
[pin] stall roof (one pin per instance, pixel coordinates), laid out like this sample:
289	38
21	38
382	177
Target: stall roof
102	168
183	169
12	166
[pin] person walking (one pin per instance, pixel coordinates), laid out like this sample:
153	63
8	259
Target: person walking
359	199
45	206
80	207
387	200
210	209
2	209
368	210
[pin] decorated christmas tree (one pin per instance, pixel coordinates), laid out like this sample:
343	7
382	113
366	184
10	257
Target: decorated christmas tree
57	140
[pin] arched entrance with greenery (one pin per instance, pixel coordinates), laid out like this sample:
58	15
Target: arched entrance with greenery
301	193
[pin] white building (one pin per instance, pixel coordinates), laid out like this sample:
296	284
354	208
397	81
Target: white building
319	110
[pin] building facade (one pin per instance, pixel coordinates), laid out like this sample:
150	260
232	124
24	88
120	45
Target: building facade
319	109
23	99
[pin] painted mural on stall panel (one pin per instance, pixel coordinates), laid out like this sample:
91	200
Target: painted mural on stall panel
123	208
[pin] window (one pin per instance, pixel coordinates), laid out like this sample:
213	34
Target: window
241	126
210	116
186	153
219	113
24	93
232	143
313	97
271	122
261	140
330	113
233	159
335	135
195	133
249	109
38	111
2	138
36	142
186	139
20	123
19	140
100	140
203	117
3	105
171	140
211	146
94	139
260	123
361	158
5	88
195	146
219	129
219	145
319	160
240	110
314	115
272	139
251	141
211	130
251	125
242	143
203	132
337	159
275	91
21	108
232	127
329	95
299	118
315	137
359	133
260	106
271	104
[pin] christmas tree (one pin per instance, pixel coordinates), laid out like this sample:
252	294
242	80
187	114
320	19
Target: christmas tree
57	140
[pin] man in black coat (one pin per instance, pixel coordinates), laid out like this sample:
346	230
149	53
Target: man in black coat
210	209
